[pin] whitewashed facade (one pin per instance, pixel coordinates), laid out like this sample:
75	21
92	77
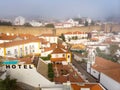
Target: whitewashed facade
50	38
19	20
35	24
109	83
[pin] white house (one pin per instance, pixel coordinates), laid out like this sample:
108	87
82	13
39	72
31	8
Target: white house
74	36
74	23
50	38
19	20
107	72
35	23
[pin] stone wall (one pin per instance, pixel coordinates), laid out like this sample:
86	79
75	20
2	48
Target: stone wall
41	30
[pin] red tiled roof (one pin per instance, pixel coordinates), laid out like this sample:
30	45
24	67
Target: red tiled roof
68	33
53	45
58	50
76	32
28	36
57	59
94	39
49	35
72	75
90	86
7	37
14	43
11	37
107	67
48	49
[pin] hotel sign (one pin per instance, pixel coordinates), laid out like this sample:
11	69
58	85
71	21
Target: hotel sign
20	66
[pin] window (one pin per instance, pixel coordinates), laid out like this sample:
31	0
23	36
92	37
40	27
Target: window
8	52
30	48
26	50
56	55
15	51
68	56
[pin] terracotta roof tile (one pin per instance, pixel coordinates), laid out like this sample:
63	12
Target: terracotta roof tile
107	67
7	37
49	35
57	59
14	43
90	86
58	50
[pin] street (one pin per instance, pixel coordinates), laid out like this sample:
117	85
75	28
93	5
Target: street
82	68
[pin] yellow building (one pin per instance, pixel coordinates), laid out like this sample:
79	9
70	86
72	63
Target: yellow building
60	55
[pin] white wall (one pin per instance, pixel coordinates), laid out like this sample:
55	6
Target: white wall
109	83
29	76
78	58
44	54
1	51
95	73
34	48
58	55
12	51
88	67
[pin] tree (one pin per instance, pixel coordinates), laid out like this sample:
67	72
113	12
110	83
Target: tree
69	39
9	84
27	25
4	23
63	37
76	37
92	23
50	71
86	23
50	25
113	49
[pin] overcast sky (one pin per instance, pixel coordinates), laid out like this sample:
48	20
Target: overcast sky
60	8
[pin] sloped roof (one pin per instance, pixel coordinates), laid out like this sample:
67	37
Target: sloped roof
49	35
4	36
78	46
107	67
20	42
58	50
90	86
57	59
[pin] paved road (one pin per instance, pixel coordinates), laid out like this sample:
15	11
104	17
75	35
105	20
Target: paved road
82	68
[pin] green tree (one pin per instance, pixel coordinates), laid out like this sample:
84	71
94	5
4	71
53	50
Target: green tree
50	25
86	23
9	84
4	23
27	25
63	37
76	37
50	71
113	48
69	39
